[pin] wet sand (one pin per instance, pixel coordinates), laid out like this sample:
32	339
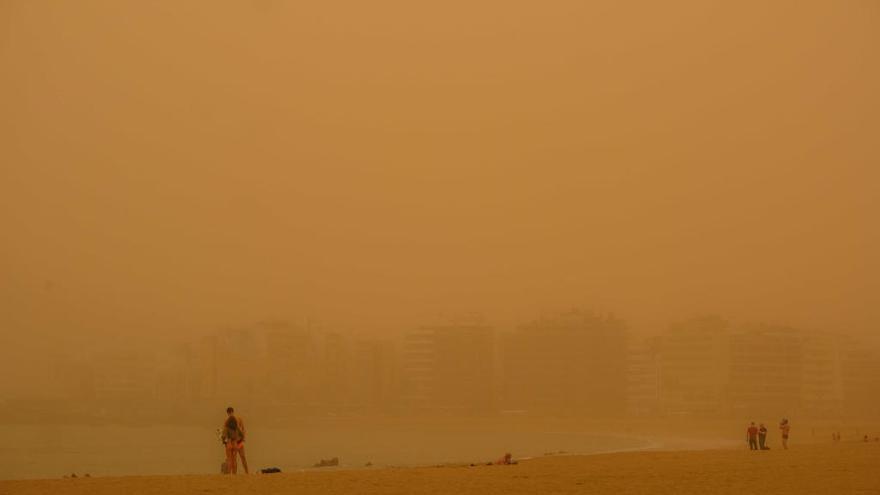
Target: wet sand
804	469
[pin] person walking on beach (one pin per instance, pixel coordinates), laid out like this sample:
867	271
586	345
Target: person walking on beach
785	427
752	436
233	438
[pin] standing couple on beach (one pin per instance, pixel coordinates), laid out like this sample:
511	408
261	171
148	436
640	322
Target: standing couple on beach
233	433
757	436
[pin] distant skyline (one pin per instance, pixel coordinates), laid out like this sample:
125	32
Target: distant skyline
167	169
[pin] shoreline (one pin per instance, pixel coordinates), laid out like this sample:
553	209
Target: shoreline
415	444
803	469
121	452
652	444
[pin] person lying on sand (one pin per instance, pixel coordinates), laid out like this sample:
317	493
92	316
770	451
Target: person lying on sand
327	462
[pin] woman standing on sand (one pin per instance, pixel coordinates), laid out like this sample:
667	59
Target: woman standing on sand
785	427
231	438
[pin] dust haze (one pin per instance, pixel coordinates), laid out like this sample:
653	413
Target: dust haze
455	208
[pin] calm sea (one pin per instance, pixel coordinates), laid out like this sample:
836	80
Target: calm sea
53	451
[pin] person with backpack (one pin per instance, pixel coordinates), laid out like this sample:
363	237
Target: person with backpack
233	439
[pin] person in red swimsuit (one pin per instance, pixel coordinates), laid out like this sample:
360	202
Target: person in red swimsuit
233	438
230	441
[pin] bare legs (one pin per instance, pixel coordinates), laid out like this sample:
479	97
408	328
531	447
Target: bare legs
231	466
243	458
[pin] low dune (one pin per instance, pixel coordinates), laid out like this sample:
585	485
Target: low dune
804	469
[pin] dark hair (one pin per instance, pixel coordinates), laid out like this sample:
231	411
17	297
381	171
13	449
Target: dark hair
229	410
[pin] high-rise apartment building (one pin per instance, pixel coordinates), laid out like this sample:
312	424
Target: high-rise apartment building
376	376
643	378
571	364
693	360
449	368
766	371
859	379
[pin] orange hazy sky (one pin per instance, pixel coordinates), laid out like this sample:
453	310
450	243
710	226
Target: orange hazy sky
169	167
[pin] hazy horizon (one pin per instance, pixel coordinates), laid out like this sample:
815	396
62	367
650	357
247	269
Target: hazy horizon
169	169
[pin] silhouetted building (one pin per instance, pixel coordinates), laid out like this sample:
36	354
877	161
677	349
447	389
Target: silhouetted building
206	363
290	365
766	371
821	385
376	376
176	375
335	372
572	364
859	379
449	368
693	359
643	378
124	376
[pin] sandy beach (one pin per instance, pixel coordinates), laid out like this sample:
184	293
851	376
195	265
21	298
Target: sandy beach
804	469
